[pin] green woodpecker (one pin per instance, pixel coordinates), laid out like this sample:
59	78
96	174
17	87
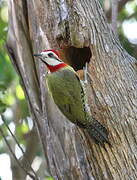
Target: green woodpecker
68	95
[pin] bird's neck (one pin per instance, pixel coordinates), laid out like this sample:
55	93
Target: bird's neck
57	67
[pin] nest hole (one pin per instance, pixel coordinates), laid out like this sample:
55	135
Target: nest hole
77	57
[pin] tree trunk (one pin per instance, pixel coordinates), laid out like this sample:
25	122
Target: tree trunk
80	29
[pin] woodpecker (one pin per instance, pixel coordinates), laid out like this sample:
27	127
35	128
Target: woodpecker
68	94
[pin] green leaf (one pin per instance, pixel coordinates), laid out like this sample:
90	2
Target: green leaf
2	107
22	129
2	86
49	178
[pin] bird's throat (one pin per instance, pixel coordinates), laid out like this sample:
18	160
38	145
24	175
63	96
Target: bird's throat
56	68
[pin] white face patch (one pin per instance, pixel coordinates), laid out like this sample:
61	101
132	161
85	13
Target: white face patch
51	58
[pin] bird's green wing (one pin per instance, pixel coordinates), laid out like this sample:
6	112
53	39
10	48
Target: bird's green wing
68	94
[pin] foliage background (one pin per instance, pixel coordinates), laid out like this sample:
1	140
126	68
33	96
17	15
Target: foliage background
13	106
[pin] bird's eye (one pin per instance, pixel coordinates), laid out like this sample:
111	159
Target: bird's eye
50	55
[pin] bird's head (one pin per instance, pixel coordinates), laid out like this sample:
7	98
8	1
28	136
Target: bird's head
51	59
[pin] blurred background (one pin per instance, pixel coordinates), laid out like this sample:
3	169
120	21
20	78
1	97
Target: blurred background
14	111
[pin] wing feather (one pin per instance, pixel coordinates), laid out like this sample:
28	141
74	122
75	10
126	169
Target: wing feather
66	91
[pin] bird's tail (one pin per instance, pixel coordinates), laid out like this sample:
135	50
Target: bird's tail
98	132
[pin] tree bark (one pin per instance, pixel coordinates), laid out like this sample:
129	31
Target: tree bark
112	84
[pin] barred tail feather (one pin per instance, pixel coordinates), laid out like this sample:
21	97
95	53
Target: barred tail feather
98	132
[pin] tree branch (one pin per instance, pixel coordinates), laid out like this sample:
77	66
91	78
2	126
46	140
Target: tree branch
17	161
25	158
114	15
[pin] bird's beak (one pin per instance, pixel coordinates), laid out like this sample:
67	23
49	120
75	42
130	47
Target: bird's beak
37	55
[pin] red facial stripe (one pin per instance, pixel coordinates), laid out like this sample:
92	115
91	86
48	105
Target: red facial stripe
54	51
57	67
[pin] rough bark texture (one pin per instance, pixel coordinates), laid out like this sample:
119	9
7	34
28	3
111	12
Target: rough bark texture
70	153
